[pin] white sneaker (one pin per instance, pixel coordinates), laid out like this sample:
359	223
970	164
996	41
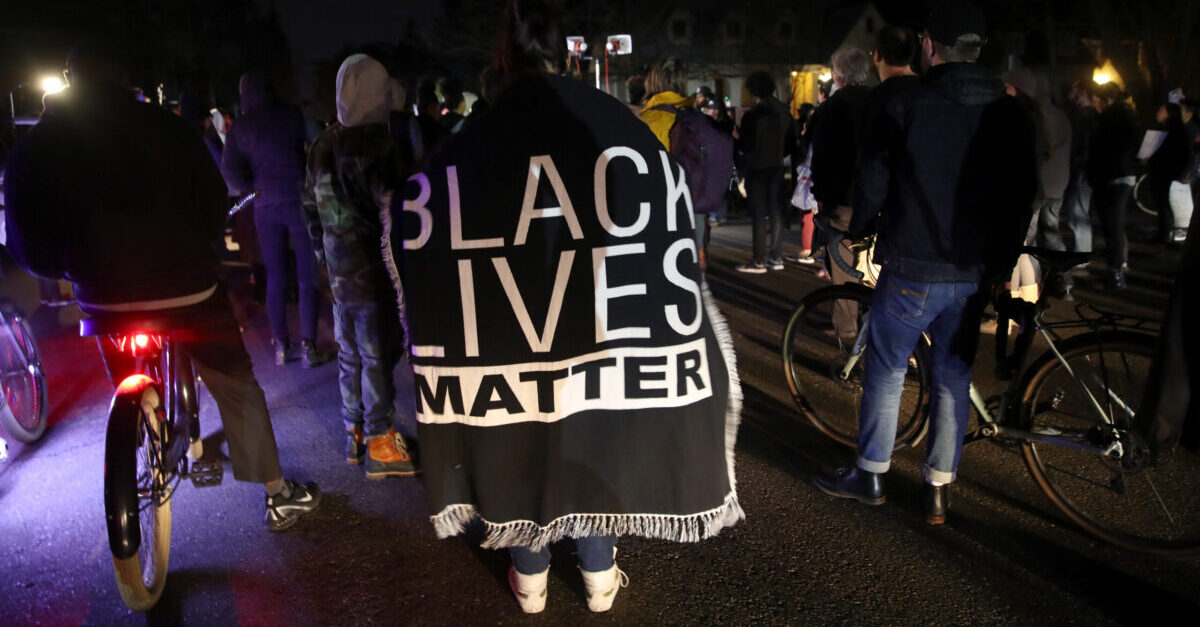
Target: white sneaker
530	590
602	587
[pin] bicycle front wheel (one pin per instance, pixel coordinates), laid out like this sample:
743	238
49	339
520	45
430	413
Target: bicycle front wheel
823	365
137	499
1093	461
22	381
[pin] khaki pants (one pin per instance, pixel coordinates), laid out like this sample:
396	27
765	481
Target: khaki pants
845	312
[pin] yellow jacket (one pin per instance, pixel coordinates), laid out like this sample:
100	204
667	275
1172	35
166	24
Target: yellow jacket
661	121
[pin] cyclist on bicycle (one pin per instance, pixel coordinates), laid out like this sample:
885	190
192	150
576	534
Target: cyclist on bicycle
123	199
950	165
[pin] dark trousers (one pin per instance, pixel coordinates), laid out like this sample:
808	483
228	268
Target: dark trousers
367	350
1160	191
216	350
595	556
279	225
764	193
1111	204
1169	411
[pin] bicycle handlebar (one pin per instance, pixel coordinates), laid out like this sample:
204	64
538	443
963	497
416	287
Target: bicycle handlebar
831	247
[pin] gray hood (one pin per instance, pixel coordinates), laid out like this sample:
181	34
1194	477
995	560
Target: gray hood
364	95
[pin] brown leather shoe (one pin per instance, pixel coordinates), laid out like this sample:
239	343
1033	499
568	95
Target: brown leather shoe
935	500
388	456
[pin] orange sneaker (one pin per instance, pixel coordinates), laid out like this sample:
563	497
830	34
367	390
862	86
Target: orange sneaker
388	456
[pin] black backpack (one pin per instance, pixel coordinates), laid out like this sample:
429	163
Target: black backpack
706	154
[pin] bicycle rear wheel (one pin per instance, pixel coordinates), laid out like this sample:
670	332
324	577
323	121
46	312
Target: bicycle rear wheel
137	498
1123	497
22	380
1142	197
824	371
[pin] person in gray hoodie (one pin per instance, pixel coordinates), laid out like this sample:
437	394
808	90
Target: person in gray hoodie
352	169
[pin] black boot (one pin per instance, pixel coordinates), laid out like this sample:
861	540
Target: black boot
853	483
935	500
1116	279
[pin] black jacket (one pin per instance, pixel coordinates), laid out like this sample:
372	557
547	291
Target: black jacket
1113	145
837	136
951	166
768	134
264	149
120	197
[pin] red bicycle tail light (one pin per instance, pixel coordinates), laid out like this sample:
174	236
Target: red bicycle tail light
142	340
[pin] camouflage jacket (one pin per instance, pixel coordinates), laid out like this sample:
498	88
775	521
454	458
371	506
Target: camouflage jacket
351	174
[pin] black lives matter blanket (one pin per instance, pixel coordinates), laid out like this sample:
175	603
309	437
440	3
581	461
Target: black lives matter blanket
573	377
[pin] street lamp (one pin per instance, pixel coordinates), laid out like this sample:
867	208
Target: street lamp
53	85
1100	77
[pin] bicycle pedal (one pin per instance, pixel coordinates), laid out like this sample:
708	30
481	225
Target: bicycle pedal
206	474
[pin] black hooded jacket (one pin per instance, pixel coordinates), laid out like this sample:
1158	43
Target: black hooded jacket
951	166
264	149
120	197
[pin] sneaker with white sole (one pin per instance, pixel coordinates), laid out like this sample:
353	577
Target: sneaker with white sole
530	590
602	587
751	268
775	265
287	507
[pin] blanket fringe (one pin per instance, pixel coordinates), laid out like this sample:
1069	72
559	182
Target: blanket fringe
733	406
389	260
453	520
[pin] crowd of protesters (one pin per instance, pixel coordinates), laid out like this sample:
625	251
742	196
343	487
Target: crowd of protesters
425	215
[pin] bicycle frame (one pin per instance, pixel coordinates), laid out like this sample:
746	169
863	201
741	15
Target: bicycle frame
993	424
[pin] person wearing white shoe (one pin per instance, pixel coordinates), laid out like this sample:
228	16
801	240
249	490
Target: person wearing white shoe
529	574
573	378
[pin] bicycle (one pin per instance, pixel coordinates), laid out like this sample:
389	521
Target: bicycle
823	343
152	442
23	409
1072	409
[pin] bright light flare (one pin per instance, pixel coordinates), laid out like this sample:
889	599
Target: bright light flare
53	85
141	340
1100	77
825	78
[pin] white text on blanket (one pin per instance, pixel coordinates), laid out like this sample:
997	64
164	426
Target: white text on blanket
676	191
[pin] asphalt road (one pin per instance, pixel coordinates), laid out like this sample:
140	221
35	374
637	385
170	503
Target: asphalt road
370	556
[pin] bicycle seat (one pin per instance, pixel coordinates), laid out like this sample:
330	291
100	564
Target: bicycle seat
130	323
1060	260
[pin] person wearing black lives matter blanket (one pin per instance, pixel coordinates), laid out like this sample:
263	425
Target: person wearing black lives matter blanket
573	377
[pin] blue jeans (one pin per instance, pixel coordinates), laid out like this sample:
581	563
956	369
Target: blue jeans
901	311
366	337
595	556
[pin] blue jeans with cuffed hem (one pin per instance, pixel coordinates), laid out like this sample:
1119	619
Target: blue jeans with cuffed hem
595	556
901	310
367	339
